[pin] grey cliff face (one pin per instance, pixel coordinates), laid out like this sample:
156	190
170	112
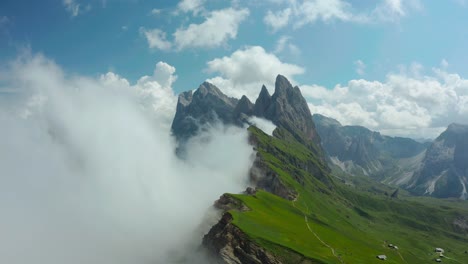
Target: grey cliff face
263	102
206	105
287	108
444	170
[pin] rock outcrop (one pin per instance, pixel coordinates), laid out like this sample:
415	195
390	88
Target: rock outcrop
231	246
287	108
206	105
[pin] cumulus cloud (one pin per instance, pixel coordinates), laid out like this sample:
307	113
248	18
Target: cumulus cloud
393	10
72	7
218	27
156	38
284	44
408	103
277	20
301	13
194	6
155	11
90	175
246	70
360	67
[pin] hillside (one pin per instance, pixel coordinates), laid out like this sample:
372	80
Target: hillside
341	224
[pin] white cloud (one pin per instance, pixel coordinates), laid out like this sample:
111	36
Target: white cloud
395	6
277	20
156	38
102	183
301	13
360	67
324	10
265	125
155	11
407	103
246	70
394	10
284	44
218	27
194	6
72	7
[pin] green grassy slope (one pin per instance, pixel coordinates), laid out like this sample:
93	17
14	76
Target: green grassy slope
331	222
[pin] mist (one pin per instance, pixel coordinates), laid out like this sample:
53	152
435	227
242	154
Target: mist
88	171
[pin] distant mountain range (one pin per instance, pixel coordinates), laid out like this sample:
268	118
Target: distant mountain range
433	168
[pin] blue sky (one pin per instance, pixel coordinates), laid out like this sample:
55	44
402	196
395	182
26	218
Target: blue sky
325	46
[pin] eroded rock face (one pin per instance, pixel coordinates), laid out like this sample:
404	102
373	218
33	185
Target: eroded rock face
287	108
206	105
231	246
444	169
358	150
226	202
265	178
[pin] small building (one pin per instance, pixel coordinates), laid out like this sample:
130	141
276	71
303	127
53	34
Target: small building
382	257
439	250
438	260
392	246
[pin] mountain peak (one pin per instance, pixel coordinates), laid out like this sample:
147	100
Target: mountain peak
207	104
282	84
457	128
264	92
244	106
325	121
262	103
208	88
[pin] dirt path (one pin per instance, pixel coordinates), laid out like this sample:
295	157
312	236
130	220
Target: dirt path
402	258
306	220
452	259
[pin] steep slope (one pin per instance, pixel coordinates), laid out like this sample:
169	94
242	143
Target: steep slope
358	150
331	224
444	170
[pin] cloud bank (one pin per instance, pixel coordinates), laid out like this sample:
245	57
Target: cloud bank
409	103
88	171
